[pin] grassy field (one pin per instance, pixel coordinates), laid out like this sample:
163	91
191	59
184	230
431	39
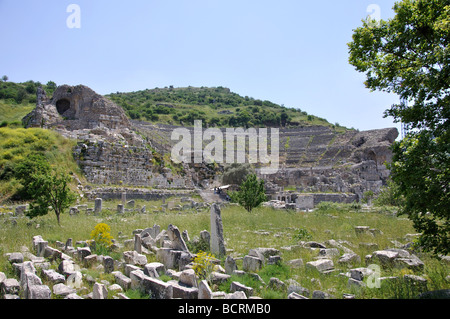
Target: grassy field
13	113
265	227
17	144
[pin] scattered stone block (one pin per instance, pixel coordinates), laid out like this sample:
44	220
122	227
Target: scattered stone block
154	269
236	295
362	230
295	287
417	282
128	268
328	252
178	242
349	259
62	290
39	292
115	288
321	265
122	280
361	273
317	294
183	292
53	277
218	278
354	283
73	296
276	284
66	267
137	278
230	265
237	286
204	291
83	252
134	258
108	264
314	244
295	263
15	258
90	260
188	278
99	291
98	205
385	257
169	257
10	286
158	289
294	295
251	264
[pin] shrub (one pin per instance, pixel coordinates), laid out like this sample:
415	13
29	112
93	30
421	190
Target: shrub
236	173
203	265
101	235
302	234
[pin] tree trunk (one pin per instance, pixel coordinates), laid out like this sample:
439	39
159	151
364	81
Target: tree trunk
57	217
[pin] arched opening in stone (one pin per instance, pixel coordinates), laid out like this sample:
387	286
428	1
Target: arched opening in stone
62	106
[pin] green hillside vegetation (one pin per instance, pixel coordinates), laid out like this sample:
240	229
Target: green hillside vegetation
18	99
214	106
16	144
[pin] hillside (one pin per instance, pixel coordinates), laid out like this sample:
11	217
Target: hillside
16	144
214	106
174	106
18	99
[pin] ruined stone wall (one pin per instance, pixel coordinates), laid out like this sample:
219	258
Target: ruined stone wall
318	159
118	164
116	193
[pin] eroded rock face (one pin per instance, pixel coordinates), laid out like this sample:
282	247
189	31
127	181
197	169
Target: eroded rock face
75	108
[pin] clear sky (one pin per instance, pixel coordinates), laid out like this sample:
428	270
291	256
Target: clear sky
290	52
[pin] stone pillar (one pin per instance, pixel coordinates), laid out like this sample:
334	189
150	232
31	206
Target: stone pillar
217	244
178	242
120	209
98	205
138	243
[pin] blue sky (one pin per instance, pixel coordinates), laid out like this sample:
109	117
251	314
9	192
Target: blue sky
289	52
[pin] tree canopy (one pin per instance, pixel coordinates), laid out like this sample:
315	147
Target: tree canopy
251	193
409	55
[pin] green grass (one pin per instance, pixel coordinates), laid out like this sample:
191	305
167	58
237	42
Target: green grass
264	227
18	143
13	113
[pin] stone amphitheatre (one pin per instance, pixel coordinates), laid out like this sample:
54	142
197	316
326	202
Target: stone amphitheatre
113	150
119	156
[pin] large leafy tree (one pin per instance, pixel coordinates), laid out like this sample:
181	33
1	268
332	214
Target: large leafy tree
47	188
409	55
50	191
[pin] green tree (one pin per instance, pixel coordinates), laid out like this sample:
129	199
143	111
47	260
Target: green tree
50	87
284	118
50	191
408	55
250	194
5	78
26	170
236	173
